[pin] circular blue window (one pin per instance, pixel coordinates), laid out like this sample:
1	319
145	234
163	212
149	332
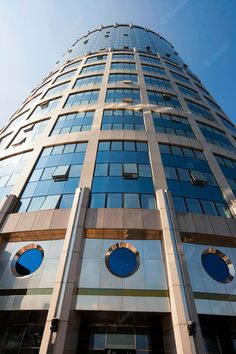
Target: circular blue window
218	265
122	259
27	260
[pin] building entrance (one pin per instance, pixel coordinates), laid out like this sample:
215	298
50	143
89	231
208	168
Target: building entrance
120	333
120	351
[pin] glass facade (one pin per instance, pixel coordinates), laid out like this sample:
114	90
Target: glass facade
73	123
123	95
91	68
122	176
122	56
123	66
88	80
180	78
122	37
114	78
64	77
215	136
45	108
199	110
228	167
44	190
123	110
84	97
122	119
151	60
16	121
10	171
71	66
29	133
191	182
56	90
96	59
186	91
153	69
172	124
163	99
157	82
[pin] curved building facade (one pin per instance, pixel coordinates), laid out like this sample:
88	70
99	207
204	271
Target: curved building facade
117	188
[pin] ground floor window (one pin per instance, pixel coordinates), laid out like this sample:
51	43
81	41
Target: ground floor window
21	331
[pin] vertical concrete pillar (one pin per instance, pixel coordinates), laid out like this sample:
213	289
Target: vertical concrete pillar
182	303
64	339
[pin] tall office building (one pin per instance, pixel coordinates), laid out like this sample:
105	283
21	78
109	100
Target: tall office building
117	221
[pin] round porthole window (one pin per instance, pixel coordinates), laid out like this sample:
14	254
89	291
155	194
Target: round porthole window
27	260
122	259
218	265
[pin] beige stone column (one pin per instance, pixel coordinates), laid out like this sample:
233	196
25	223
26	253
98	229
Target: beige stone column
64	340
182	303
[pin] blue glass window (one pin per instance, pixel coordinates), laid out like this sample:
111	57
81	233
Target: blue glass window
227	123
72	65
172	124
114	200
98	200
228	167
215	136
49	188
29	133
180	78
149	59
91	68
121	260
123	95
193	205
122	56
182	151
96	59
214	263
115	169
73	122
212	103
190	179
84	97
188	92
10	170
119	119
170	172
174	67
65	76
122	176
28	262
128	78
45	108
208	207
123	66
179	204
88	80
153	69
163	99
56	90
147	201
199	110
157	82
122	38
101	169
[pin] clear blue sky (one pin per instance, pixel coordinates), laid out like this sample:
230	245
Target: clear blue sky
35	33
